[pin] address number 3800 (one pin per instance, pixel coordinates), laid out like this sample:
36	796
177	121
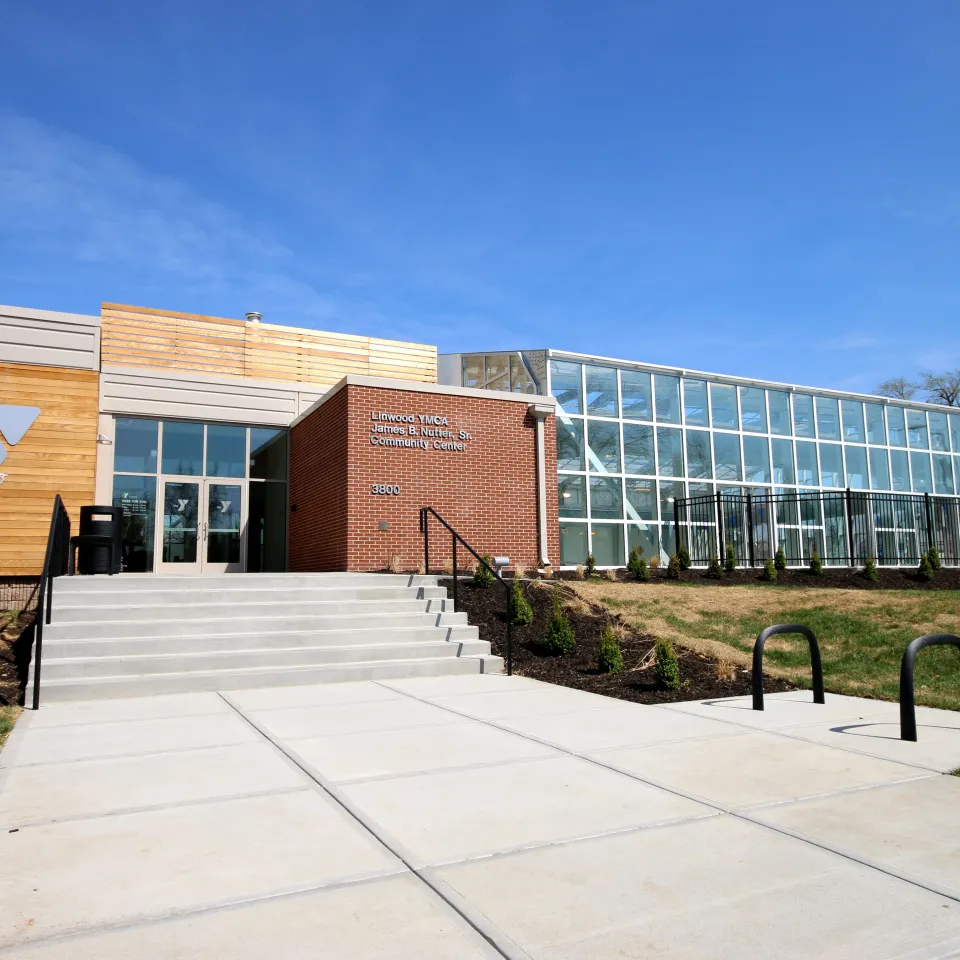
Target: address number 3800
386	489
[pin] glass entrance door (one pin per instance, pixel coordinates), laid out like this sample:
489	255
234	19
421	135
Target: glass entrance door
202	527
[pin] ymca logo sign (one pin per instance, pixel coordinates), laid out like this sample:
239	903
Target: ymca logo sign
14	423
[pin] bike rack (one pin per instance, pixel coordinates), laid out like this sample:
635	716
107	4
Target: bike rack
757	676
908	708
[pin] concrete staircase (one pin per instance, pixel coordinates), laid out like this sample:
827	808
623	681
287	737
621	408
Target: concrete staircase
140	634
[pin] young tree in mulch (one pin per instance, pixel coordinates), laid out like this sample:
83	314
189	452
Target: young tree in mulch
673	567
780	560
870	569
521	612
591	565
769	572
633	564
666	668
683	555
559	638
730	562
925	570
714	570
610	657
816	564
933	555
482	575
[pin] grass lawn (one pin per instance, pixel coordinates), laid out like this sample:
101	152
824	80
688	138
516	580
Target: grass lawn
8	717
862	634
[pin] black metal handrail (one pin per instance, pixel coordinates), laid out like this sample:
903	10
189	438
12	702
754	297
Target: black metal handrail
817	664
54	565
455	538
908	707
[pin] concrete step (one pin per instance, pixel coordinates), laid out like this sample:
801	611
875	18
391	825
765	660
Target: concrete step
203	643
133	629
90	688
148	664
241	582
119	609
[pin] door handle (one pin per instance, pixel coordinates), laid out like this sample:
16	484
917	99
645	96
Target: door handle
204	531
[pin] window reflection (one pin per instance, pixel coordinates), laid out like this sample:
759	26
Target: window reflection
565	385
779	403
668	398
723	402
753	409
602	391
603	446
828	419
638	454
695	403
635	389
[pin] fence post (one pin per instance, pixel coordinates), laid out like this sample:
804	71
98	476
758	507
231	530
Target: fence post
750	557
676	523
928	509
456	595
849	527
425	527
719	527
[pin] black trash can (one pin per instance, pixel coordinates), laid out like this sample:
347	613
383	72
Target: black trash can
103	522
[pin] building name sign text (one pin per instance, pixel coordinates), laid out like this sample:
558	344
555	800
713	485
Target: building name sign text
416	431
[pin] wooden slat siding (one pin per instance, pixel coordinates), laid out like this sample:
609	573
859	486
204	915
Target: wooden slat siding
143	337
56	455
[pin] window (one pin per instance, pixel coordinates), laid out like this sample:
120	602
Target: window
602	391
606	500
828	419
808	473
670	492
182	448
135	446
699	460
647	538
569	444
573	543
572	496
695	403
920	468
876	430
852	411
879	470
520	379
783	461
897	427
642	499
670	452
779	403
638	448
603	446
726	456
635	388
831	465
803	415
900	469
723	401
668	398
856	457
917	430
497	372
137	497
473	372
608	544
942	474
565	385
268	454
753	409
226	451
939	438
756	460
955	431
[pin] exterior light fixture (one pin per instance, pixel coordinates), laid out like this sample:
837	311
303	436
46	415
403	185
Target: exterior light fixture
104	439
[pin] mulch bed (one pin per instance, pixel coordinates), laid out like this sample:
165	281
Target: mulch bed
840	578
15	644
698	674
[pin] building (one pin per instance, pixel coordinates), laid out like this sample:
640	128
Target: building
238	445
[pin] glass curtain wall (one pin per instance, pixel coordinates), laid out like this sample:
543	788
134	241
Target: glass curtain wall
632	441
145	449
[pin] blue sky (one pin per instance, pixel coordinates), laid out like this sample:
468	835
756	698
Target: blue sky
762	188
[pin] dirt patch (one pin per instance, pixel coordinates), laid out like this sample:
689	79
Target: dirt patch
702	676
16	637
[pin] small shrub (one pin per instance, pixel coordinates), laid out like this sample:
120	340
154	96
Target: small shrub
655	562
725	670
870	569
816	564
520	610
683	555
933	555
666	667
547	571
769	572
577	605
612	574
482	575
579	572
925	570
560	638
673	567
610	659
730	560
780	560
633	564
714	570
643	573
395	564
519	571
591	565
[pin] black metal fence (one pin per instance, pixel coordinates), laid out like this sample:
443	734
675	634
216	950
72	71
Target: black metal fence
18	593
844	527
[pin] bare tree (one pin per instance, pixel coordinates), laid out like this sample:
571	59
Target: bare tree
942	387
899	389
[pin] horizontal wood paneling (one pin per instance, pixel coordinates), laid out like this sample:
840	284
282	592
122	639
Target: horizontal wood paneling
141	337
56	455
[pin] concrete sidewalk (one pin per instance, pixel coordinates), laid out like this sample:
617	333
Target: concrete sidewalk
477	816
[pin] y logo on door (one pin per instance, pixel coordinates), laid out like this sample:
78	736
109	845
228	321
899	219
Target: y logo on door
14	423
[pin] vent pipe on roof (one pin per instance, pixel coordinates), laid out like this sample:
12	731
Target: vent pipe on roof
253	317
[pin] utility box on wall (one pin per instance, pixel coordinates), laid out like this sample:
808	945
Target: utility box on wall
369	454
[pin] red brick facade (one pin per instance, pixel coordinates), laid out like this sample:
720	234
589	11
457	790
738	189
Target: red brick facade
487	489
